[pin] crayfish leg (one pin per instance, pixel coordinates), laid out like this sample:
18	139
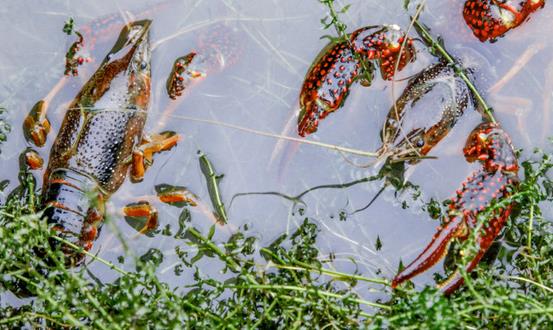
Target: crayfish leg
434	252
36	125
142	216
142	156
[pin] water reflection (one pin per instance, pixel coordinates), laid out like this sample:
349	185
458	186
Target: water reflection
259	89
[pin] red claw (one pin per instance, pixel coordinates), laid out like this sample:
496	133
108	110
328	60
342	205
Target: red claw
338	65
384	45
491	19
499	170
326	85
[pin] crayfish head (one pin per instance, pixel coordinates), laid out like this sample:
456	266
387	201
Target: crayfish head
412	148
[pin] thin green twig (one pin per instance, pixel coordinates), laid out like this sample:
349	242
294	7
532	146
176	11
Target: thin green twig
518	278
306	289
305	266
530	226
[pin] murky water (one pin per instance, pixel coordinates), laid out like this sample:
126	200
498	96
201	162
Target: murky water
270	46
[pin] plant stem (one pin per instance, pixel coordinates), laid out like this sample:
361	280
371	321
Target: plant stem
458	69
303	289
530	225
81	250
531	282
301	301
7	214
230	263
283	137
31	315
305	266
67	314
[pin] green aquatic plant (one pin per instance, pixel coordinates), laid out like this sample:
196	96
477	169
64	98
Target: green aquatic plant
288	289
68	26
516	291
291	287
212	180
283	285
5	127
333	20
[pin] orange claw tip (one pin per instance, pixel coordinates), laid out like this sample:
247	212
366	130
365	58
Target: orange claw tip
488	19
163	141
36	125
141	216
137	167
139	209
307	126
433	253
171	142
33	159
175	195
308	121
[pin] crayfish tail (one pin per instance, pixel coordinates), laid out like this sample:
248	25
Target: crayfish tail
75	209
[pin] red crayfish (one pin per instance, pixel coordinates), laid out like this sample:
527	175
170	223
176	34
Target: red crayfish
491	147
340	64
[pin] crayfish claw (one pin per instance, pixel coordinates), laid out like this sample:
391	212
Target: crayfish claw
36	125
434	252
142	157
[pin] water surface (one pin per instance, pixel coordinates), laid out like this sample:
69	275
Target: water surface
271	44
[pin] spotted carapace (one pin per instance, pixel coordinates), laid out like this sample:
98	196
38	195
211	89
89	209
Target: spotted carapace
423	115
94	148
330	77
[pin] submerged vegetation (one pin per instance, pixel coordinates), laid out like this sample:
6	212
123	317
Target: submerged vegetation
286	284
290	285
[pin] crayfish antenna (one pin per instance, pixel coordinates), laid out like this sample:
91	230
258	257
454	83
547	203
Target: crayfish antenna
371	201
433	253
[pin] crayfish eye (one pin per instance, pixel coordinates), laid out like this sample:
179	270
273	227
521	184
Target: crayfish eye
419	143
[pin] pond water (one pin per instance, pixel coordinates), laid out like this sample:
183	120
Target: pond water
271	44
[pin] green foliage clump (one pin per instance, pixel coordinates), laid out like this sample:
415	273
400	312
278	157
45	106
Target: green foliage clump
283	285
517	292
270	295
291	288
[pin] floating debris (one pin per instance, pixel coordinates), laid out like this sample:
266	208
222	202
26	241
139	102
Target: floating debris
33	159
72	60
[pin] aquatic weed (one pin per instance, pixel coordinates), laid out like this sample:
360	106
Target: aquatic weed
291	288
